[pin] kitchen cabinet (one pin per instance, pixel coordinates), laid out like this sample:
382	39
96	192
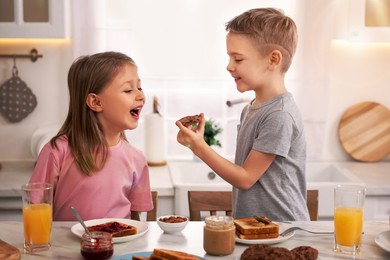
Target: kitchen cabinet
34	18
377	207
11	208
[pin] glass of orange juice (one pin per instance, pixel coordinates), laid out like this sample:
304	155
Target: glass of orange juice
37	216
348	217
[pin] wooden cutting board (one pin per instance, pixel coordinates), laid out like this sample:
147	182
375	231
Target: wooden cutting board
364	131
8	252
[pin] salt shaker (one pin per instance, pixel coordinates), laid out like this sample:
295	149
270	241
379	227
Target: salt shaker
219	235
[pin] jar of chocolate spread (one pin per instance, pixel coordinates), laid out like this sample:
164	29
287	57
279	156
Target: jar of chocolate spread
219	235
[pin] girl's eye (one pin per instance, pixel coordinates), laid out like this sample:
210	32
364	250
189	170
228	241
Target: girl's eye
130	90
238	60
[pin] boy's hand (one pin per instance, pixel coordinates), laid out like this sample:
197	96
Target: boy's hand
189	136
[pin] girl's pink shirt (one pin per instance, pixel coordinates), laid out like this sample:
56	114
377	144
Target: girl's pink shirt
122	185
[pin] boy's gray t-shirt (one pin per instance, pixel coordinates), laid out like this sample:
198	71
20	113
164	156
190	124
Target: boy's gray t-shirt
273	127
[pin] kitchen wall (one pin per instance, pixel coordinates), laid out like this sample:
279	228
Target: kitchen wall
180	49
47	80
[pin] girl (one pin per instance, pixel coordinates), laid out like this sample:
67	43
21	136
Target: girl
89	162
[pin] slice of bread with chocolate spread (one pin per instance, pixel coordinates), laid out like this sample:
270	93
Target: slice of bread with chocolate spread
252	228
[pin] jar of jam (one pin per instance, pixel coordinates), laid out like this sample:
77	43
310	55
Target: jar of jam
100	246
219	235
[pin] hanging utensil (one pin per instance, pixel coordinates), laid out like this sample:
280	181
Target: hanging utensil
17	101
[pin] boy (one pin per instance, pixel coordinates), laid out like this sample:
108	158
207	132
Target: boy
268	175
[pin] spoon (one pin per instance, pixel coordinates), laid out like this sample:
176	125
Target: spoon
77	215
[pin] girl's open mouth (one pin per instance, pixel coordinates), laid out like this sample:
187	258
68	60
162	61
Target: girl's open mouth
135	112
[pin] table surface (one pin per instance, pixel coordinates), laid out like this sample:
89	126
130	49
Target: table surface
66	245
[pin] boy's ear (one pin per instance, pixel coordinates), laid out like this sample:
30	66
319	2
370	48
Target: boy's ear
275	59
93	102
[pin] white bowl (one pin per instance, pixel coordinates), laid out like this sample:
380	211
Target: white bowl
174	227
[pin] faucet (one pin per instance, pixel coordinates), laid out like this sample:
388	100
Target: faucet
230	103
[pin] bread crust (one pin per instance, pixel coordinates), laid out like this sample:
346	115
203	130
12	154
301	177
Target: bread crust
190	120
258	236
159	253
116	229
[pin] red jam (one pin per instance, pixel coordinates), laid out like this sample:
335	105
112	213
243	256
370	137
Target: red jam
100	247
104	254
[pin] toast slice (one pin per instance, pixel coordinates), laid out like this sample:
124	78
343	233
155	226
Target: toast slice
167	254
258	236
136	257
190	120
250	228
116	229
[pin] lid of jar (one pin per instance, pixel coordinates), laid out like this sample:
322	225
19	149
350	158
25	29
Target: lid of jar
219	222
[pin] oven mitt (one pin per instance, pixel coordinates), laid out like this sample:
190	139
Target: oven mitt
16	100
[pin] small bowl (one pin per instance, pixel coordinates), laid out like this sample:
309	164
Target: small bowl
170	224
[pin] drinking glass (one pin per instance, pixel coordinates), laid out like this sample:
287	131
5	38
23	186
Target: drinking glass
37	216
348	218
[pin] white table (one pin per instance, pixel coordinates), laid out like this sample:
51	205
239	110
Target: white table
65	245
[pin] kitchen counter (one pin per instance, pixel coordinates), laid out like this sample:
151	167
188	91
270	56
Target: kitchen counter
66	245
14	174
376	177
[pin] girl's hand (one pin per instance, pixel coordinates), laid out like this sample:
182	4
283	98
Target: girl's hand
190	137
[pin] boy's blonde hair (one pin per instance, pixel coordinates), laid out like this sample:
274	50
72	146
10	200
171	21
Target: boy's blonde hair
268	29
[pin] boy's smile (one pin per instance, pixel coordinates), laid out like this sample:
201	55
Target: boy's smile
246	65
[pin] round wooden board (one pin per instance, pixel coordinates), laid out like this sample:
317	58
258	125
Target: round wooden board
364	131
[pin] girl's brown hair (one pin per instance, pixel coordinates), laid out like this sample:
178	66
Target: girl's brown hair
269	29
89	74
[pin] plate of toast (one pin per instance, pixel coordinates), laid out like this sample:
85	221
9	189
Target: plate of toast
122	230
259	230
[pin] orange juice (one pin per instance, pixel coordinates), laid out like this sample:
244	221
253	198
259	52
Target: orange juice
37	223
348	224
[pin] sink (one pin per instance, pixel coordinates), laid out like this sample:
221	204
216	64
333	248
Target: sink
324	176
192	175
327	172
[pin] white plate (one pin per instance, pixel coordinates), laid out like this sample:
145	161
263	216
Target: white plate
383	240
268	241
142	228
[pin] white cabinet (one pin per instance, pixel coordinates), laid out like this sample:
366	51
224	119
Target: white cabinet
377	207
10	208
34	18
